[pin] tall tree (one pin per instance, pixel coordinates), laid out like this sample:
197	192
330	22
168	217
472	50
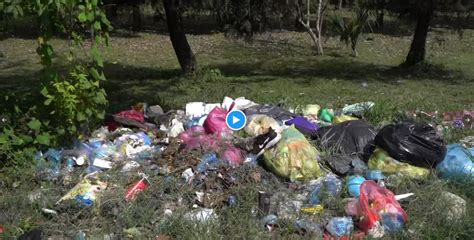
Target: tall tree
183	51
425	9
453	11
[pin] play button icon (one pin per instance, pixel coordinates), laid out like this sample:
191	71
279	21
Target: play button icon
236	120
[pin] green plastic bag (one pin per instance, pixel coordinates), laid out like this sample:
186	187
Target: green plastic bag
382	161
293	157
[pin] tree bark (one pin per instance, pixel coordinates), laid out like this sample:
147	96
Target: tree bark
319	27
417	49
183	51
137	20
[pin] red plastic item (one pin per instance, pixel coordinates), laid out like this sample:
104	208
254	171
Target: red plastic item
373	200
327	236
132	115
137	187
2	230
355	236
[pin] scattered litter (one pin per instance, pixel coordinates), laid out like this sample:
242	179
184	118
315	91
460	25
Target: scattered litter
196	153
201	215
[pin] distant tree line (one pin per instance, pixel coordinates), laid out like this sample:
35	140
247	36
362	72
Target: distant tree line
244	18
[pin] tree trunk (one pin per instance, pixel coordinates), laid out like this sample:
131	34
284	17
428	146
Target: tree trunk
417	48
380	16
319	27
340	5
183	51
137	20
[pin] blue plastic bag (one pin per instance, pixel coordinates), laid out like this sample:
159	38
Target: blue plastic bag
458	163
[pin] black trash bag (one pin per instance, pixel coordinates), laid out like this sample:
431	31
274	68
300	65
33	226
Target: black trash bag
274	112
343	165
417	144
35	234
348	138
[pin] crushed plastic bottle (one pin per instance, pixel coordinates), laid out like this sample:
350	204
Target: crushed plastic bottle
353	185
392	222
232	200
309	227
330	184
340	226
251	159
207	161
375	175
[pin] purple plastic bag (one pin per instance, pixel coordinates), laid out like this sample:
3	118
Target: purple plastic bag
303	125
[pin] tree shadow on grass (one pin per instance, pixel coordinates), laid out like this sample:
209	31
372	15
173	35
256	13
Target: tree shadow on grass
341	68
127	85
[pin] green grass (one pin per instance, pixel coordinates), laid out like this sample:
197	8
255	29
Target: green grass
277	67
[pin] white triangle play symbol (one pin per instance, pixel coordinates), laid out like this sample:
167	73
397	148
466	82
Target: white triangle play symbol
235	120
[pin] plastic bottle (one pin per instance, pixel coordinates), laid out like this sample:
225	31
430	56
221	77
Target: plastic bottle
207	160
70	161
251	159
392	222
353	185
80	236
232	200
309	226
340	226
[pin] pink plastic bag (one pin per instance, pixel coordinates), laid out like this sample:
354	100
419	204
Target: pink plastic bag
196	138
233	156
375	201
215	121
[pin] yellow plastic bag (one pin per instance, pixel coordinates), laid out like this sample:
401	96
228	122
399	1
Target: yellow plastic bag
382	161
293	157
343	118
311	110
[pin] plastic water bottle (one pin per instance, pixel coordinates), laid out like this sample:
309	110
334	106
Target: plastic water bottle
70	161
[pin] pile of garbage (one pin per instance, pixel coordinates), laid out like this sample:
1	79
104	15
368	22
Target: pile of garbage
325	155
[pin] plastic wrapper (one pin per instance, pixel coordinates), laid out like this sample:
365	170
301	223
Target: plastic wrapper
293	157
326	115
358	108
379	207
349	137
195	109
86	189
260	124
413	143
380	160
311	110
132	115
274	112
239	103
342	118
458	163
